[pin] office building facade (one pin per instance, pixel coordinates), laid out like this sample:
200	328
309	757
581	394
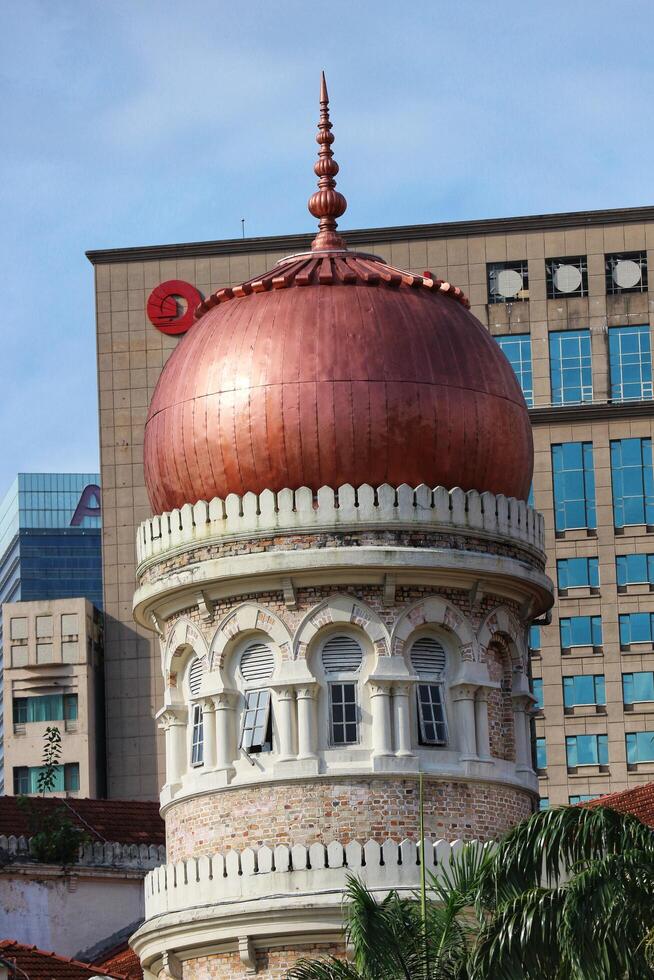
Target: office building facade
567	297
50	544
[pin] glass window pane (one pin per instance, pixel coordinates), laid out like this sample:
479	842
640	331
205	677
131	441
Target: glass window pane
517	348
630	362
574	485
570	366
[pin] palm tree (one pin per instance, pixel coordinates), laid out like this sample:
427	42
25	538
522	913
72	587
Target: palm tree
565	895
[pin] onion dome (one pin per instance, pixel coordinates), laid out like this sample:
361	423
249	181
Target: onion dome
335	368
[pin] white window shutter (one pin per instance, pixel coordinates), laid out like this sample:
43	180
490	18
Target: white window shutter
341	655
195	677
428	656
257	662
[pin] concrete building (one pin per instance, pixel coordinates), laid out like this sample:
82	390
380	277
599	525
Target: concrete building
568	298
53	676
50	545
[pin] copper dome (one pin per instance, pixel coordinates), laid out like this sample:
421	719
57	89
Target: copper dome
335	368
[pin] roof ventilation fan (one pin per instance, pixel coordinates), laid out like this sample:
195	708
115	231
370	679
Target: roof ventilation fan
508	283
567	278
626	273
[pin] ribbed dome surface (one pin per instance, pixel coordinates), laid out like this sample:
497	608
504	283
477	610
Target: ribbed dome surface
335	369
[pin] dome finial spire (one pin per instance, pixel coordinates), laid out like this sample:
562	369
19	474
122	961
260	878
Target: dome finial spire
327	204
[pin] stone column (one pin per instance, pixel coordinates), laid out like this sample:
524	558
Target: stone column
285	705
463	696
173	722
481	723
306	696
225	729
380	707
209	733
402	719
521	707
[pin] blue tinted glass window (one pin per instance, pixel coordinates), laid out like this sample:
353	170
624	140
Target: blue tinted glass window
543	803
582	689
635	569
530	498
537	688
640	747
534	637
574	573
587	750
636	628
541	753
630	362
638	686
574	485
571	372
633	482
517	348
581	631
583	798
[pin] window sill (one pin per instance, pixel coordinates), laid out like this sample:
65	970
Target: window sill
584	710
636	588
576	534
582	772
637	647
646	766
634	530
579	592
586	650
635	707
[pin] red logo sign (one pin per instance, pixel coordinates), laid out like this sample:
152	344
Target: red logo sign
166	310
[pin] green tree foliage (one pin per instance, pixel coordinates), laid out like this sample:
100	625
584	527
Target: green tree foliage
566	895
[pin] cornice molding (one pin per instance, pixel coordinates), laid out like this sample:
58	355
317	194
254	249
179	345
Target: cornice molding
368	236
591	412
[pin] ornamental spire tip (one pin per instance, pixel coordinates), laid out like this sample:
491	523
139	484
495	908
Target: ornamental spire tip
327	204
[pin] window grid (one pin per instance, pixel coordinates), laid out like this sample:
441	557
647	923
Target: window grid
197	737
636	628
574	485
551	268
630	363
638	687
571	371
493	271
541	753
433	730
256	734
517	348
343	712
581	631
635	569
611	261
544	803
534	638
576	573
633	482
584	689
640	747
537	691
587	750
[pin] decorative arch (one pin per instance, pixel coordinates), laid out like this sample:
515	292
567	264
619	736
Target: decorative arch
248	618
502	627
183	641
435	611
343	609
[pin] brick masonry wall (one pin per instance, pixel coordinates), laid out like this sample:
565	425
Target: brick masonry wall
271	964
340	809
336	539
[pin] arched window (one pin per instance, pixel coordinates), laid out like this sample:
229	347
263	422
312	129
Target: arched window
256	665
197	728
341	658
429	660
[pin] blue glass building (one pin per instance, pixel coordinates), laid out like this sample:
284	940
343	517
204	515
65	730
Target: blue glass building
50	546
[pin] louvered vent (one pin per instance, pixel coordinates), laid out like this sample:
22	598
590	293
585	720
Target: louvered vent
341	655
428	656
195	677
257	662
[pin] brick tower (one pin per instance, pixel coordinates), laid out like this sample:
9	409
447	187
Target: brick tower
330	625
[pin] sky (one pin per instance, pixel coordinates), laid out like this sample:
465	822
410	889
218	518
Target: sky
149	121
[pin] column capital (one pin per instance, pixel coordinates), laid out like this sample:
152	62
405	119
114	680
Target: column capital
463	692
223	699
306	691
285	692
171	715
523	701
379	686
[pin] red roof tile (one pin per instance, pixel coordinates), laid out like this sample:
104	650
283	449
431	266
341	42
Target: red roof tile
638	801
108	821
125	961
38	964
